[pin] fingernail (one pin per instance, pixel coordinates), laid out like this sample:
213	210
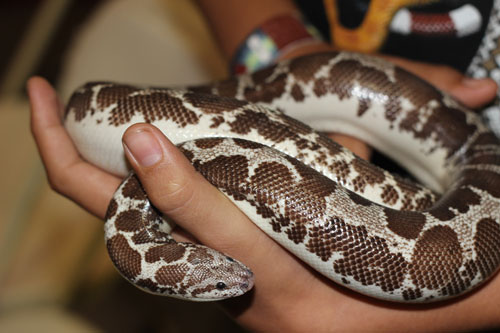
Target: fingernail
144	147
473	83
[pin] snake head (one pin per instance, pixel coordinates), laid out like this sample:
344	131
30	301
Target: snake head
215	276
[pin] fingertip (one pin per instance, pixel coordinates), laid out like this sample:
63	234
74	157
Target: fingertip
33	81
486	86
475	93
37	86
142	147
42	96
147	146
162	168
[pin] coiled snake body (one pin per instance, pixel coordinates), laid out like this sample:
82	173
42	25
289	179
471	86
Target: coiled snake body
360	226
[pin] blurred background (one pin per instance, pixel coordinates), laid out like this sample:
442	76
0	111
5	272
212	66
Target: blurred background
55	275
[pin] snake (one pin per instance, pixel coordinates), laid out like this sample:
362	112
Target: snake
259	138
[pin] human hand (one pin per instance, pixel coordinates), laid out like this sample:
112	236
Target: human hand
288	295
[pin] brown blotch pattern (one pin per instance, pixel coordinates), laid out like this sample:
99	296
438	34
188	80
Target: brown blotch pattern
461	281
483	179
272	130
266	185
143	236
171	275
267	174
297	93
296	233
126	259
367	174
148	284
339	81
409	191
460	199
412	294
217	121
305	197
200	254
296	126
214	103
168	252
304	68
345	74
487	246
208	143
133	189
261	76
109	95
404	223
247	144
363	106
436	258
229	172
112	209
358	199
393	108
268	91
366	259
437	125
153	106
79	102
129	220
389	195
203	290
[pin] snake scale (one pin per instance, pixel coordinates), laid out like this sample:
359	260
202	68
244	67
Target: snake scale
373	232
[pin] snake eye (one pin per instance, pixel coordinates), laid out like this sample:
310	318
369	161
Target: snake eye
229	259
220	285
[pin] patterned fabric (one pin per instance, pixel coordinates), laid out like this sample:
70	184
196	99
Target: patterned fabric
486	63
266	43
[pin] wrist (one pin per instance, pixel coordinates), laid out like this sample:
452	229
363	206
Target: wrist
273	39
310	48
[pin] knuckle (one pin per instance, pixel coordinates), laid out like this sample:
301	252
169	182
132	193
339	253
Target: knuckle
56	181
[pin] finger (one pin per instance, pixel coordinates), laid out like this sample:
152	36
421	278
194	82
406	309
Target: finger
474	93
356	146
182	194
67	172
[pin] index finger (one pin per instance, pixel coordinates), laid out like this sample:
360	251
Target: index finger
68	173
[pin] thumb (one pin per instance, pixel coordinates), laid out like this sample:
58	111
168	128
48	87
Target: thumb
181	193
474	93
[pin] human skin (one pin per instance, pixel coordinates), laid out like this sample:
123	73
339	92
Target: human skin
288	295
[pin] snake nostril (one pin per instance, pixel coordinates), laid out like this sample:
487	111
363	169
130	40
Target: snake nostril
244	286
